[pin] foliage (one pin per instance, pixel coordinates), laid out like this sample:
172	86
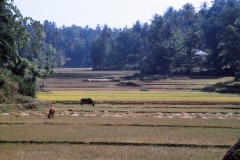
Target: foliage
6	85
101	48
168	44
230	49
67	46
20	42
6	40
237	76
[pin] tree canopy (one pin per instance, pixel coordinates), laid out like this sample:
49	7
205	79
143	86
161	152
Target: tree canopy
20	39
170	43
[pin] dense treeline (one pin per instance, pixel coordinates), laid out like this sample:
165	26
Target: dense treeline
179	41
176	41
69	46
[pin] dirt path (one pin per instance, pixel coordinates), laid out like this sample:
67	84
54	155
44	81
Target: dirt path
126	113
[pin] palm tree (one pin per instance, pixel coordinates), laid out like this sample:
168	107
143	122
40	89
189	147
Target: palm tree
155	28
169	12
138	45
167	31
231	46
137	28
145	28
188	13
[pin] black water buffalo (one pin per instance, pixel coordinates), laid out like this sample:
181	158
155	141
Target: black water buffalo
86	101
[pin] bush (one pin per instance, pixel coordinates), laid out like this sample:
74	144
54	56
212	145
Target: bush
6	83
237	76
27	87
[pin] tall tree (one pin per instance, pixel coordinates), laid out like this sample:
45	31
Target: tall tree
155	29
101	48
187	13
20	32
230	46
6	40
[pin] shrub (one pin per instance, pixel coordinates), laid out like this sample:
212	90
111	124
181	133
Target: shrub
6	83
237	76
27	87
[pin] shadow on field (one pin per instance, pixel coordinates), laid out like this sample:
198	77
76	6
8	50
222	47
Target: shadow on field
224	87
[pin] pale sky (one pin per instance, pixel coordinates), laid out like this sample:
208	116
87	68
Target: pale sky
114	13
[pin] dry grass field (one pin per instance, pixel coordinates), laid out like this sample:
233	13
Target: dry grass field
159	118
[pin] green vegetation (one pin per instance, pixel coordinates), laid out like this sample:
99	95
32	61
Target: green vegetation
20	39
173	43
167	45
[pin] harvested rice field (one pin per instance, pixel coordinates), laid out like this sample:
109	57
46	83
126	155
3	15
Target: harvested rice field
134	117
